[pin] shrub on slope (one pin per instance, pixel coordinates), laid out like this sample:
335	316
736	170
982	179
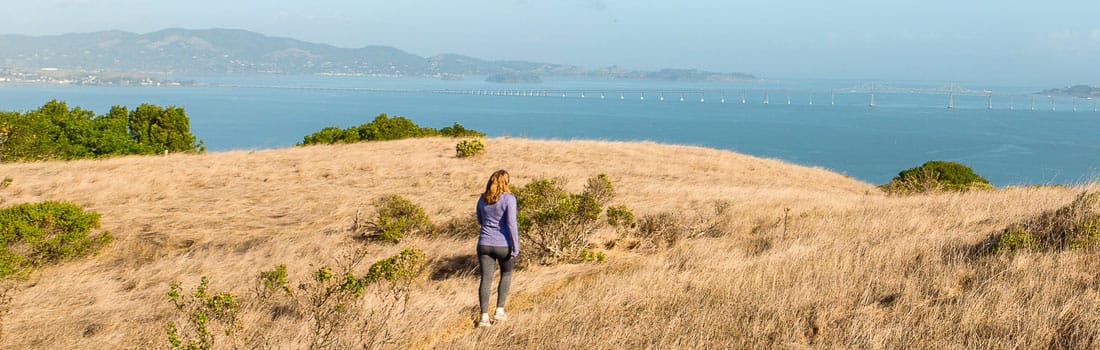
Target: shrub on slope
37	234
383	128
935	176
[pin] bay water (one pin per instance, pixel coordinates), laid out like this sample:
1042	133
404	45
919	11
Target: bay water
1008	146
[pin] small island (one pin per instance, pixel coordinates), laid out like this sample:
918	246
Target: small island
514	78
1083	91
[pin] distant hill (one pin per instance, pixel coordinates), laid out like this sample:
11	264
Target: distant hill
1076	91
230	51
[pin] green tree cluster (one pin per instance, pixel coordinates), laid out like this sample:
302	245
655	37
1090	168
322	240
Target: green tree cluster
56	131
384	128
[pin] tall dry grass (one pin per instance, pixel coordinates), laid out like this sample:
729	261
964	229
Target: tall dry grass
800	257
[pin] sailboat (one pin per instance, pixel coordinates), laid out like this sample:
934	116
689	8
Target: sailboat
872	95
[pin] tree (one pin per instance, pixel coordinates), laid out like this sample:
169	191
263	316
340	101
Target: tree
113	137
160	129
56	132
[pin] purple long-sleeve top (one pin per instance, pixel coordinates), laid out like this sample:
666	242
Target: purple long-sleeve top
498	223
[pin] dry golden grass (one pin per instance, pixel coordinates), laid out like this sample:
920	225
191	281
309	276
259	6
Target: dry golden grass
806	258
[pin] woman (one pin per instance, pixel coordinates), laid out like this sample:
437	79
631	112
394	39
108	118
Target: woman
498	243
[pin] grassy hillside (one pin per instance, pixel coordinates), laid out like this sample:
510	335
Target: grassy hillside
796	257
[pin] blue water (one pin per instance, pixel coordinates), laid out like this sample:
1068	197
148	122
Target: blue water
1008	147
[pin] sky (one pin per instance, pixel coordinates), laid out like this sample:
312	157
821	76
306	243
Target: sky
1054	43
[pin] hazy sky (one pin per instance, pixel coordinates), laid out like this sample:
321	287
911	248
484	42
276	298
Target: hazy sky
1006	41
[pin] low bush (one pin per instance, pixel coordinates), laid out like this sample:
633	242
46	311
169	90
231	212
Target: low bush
620	217
936	176
593	256
37	234
383	128
659	230
335	302
469	148
1074	226
556	224
203	317
398	217
341	307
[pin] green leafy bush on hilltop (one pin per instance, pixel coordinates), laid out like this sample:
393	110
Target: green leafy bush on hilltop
383	128
936	176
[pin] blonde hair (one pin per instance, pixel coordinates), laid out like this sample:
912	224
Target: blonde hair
498	183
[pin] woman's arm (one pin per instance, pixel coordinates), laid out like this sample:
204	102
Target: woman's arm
477	209
513	226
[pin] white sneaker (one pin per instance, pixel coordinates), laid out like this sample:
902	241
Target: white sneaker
500	316
484	323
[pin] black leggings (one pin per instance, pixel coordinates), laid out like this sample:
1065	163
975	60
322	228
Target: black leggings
487	258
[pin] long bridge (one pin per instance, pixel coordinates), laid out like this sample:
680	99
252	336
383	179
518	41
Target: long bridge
828	97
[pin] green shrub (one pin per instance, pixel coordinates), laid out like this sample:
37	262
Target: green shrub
600	188
469	148
202	317
620	216
332	135
405	266
1015	238
335	305
276	279
37	234
457	130
593	256
383	128
1074	226
397	218
555	223
934	176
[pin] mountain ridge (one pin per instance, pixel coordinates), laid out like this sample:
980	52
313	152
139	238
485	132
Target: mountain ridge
238	51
